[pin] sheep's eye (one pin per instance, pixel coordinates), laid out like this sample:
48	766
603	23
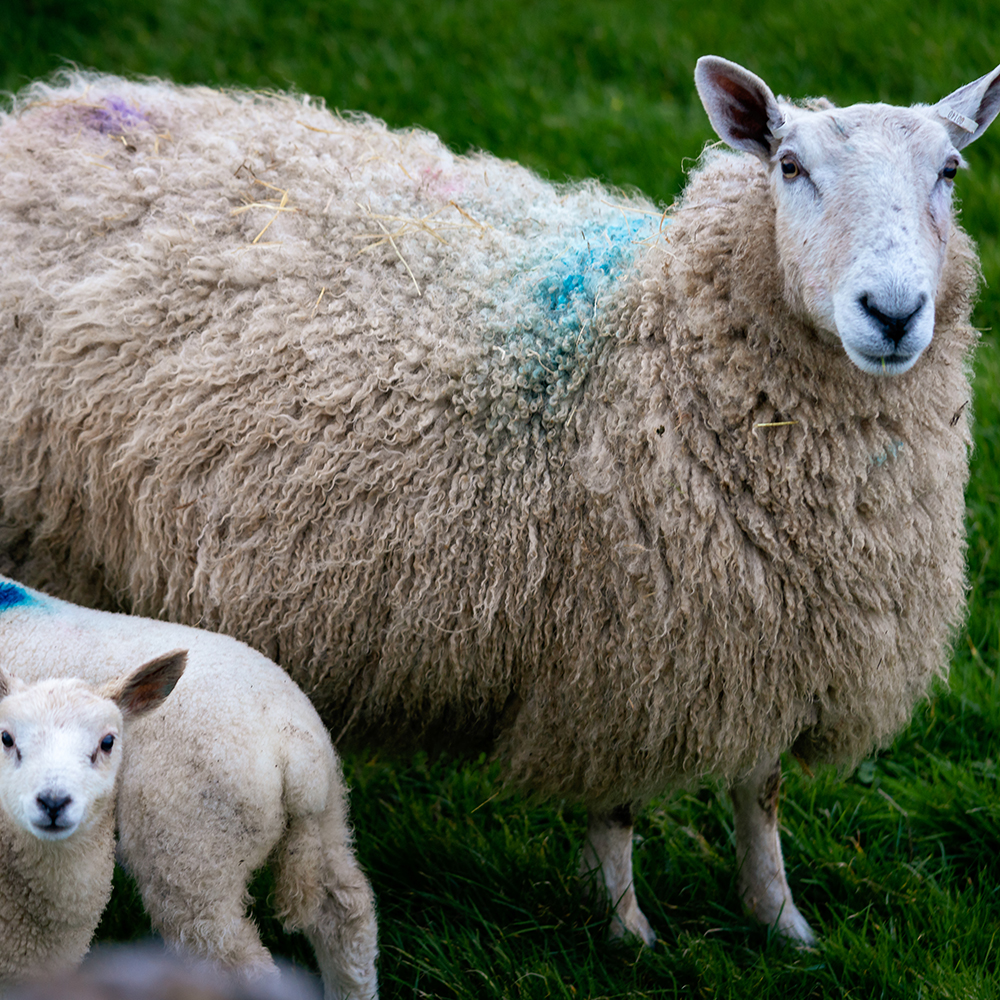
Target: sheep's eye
950	171
107	743
7	739
790	168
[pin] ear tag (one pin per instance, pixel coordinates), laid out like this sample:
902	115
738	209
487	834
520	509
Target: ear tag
969	124
778	130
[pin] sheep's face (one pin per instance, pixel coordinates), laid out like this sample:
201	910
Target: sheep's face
862	201
60	753
60	744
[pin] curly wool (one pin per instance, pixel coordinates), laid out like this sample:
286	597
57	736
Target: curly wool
481	460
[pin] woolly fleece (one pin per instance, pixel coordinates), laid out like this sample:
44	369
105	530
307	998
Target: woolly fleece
477	458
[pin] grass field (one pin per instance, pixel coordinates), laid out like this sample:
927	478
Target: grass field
898	866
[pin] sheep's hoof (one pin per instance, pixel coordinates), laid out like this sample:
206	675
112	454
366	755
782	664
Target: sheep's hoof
792	929
632	927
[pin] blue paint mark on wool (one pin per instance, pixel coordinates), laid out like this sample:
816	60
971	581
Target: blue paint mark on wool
557	333
892	451
12	596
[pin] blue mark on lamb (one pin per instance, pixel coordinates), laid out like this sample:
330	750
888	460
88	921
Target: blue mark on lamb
12	596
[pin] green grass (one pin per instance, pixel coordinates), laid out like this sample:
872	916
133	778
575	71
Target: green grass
898	866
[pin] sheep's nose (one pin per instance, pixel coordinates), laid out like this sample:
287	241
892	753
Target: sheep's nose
894	326
53	804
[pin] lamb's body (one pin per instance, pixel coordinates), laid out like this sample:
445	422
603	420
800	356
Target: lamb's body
235	769
594	497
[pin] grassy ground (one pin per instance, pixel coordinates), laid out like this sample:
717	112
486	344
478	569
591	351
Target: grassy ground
898	866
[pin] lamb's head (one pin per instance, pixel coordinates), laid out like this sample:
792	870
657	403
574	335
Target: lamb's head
862	198
62	743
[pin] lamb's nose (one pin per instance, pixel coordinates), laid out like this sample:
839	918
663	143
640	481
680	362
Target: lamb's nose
53	804
893	325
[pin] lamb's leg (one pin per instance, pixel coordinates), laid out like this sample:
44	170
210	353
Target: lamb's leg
209	924
193	878
608	850
321	890
761	880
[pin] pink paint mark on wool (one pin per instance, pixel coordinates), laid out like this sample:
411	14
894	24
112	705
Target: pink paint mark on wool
445	185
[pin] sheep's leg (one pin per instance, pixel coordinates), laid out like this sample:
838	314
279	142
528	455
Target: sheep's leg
608	851
210	925
761	880
193	880
321	890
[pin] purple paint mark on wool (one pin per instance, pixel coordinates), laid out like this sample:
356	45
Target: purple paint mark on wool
116	116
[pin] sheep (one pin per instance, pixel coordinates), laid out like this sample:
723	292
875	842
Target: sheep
62	748
628	498
235	770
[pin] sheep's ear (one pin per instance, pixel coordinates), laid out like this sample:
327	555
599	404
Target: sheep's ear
967	113
150	685
10	683
740	105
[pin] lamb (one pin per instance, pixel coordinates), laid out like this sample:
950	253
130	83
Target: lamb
628	498
234	770
62	748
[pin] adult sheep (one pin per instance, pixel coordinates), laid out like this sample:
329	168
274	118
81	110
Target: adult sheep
631	498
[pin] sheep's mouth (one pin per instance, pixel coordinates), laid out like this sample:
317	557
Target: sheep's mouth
886	364
53	829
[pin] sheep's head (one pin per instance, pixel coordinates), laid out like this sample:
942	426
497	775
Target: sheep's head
60	744
862	200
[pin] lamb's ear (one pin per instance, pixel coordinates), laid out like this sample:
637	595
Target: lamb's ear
967	113
150	685
740	105
10	683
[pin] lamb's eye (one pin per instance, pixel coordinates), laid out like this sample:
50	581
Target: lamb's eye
107	743
790	168
7	739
